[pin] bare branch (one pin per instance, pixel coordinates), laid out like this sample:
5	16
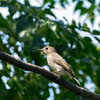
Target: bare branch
49	75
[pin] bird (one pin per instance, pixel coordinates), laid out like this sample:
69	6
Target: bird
57	63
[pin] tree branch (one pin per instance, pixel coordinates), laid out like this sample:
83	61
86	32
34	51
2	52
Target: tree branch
49	75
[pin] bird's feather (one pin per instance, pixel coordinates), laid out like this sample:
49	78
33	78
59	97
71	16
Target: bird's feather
61	62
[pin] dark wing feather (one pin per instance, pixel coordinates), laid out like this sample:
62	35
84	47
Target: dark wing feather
60	61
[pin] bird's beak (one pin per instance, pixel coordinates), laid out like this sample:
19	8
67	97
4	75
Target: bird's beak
40	49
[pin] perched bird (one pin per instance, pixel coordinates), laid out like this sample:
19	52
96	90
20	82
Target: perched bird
57	63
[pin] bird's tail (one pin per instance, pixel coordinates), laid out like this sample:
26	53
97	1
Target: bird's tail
77	80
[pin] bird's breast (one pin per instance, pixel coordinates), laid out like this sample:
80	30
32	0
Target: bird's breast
52	64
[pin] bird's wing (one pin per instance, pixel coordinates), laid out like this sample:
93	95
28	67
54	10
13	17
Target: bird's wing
60	61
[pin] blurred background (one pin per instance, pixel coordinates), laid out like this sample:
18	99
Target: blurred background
71	26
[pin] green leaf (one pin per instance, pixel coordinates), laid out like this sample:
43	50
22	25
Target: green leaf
78	6
23	23
97	38
85	27
48	11
12	10
87	39
12	41
83	11
53	28
3	22
95	32
92	1
91	8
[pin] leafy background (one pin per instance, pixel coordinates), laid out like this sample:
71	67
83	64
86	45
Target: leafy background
36	27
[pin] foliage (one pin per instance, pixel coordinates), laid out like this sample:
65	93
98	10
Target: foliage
33	29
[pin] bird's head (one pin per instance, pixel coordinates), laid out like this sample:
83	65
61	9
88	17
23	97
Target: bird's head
48	49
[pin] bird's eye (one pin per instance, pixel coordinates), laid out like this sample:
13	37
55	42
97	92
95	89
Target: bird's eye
46	48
